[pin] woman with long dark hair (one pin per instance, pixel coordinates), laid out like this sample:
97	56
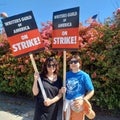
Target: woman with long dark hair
51	108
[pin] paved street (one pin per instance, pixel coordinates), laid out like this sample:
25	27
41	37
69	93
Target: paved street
12	108
17	108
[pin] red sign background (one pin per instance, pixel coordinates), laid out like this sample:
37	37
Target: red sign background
25	42
65	38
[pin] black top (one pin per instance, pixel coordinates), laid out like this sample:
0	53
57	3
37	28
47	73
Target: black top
54	111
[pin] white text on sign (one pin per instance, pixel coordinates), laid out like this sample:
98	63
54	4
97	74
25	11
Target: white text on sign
65	40
26	44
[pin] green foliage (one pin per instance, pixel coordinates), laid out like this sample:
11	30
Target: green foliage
102	62
15	75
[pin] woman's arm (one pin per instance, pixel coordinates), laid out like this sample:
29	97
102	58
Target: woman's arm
48	102
89	95
79	102
35	88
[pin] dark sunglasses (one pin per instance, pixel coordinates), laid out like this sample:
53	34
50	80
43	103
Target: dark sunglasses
73	61
51	65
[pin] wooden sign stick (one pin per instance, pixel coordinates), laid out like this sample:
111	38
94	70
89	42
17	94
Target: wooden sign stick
64	70
64	79
39	80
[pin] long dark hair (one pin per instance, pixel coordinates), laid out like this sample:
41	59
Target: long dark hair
44	71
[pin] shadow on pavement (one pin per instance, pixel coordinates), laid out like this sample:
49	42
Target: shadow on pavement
17	106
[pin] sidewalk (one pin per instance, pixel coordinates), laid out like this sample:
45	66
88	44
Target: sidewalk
17	108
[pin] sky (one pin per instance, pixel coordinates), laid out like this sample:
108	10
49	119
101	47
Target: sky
43	9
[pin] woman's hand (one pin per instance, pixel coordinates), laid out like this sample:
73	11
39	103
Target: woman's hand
48	102
62	90
78	103
36	75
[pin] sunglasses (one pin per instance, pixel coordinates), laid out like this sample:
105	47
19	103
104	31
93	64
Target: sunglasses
73	61
51	65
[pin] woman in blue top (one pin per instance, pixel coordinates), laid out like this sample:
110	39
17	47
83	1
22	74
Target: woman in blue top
79	89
